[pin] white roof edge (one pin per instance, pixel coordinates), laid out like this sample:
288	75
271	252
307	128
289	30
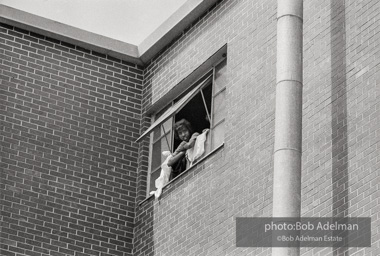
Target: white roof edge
173	27
140	55
69	34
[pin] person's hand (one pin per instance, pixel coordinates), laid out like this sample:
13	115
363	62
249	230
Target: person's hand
194	136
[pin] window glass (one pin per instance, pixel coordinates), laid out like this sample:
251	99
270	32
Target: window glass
157	133
161	142
217	135
219	107
167	126
156	155
220	80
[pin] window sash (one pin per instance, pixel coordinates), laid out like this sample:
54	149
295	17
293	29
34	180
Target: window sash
175	108
218	110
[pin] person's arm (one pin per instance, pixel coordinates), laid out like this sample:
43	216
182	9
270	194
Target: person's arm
181	149
177	155
191	143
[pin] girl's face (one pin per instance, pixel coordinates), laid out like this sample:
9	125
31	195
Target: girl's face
183	133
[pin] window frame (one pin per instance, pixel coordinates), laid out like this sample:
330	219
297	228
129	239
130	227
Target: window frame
152	141
202	83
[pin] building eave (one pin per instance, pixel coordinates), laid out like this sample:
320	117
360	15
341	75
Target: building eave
173	27
69	34
139	55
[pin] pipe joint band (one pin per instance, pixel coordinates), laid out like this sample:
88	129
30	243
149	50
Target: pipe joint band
289	80
293	149
289	14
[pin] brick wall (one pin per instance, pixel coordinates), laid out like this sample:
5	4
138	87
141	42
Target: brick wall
196	215
340	126
341	115
69	119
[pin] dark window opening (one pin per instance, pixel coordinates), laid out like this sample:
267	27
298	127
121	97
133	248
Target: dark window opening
195	112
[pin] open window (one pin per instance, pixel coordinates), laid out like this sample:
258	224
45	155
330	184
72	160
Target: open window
203	105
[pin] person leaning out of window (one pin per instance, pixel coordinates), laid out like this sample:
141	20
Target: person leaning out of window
184	132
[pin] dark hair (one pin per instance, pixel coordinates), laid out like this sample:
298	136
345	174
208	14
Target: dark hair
182	123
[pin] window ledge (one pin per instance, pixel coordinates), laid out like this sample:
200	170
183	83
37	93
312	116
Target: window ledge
184	172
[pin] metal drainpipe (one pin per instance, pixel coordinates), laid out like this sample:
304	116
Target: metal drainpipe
288	123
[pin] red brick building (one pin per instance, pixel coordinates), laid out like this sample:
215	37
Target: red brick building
74	181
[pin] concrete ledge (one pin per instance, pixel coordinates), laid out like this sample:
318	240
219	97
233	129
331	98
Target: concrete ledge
139	55
173	27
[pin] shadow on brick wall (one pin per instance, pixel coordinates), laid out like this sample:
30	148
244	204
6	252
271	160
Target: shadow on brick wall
144	231
339	113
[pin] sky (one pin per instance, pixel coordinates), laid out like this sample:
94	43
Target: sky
130	21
